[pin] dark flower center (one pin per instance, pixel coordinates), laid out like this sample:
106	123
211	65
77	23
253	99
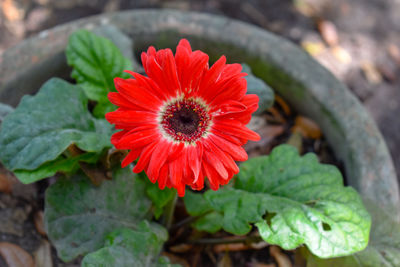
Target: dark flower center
185	120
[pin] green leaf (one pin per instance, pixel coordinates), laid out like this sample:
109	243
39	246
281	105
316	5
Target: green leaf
61	164
259	87
383	249
294	200
211	222
124	43
160	198
102	108
79	215
196	204
96	61
126	247
43	126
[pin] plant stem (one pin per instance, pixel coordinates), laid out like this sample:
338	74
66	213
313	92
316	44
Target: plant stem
209	241
169	211
188	220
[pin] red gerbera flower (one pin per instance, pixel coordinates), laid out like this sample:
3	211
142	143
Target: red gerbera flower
185	120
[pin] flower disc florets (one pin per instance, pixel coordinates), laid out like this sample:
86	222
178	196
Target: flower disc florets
185	121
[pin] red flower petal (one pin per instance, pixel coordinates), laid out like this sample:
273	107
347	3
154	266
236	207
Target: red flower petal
162	69
236	152
194	156
190	67
175	173
216	164
158	159
237	129
136	140
162	179
184	120
132	155
212	175
233	89
144	158
175	151
131	118
225	158
121	101
210	77
137	93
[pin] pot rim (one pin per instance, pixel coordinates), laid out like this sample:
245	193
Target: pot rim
313	90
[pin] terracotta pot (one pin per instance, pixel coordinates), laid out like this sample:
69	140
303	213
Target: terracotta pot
305	84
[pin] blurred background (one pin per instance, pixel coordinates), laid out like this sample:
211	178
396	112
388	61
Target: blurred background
358	40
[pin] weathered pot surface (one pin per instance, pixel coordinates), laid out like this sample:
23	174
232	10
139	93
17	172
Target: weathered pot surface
305	84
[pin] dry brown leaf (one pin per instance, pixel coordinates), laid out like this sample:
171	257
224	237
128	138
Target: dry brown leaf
74	150
371	72
268	133
394	52
341	54
239	247
181	248
11	10
281	259
275	116
328	32
43	255
16	27
259	245
230	247
8	181
5	183
15	256
313	48
114	157
283	105
39	223
94	173
37	17
307	127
